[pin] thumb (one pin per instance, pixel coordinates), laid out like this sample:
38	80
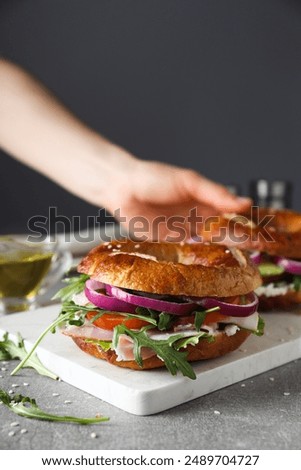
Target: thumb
206	191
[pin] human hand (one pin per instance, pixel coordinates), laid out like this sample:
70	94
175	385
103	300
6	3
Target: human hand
150	199
160	201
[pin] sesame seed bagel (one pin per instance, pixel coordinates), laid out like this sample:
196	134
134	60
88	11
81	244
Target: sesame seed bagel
222	345
172	268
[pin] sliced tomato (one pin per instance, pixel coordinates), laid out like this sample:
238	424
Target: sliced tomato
108	321
214	317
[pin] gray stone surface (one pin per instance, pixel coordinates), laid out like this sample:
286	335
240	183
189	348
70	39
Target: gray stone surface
261	413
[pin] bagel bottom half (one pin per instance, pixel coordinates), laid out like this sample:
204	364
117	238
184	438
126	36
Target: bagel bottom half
288	301
222	345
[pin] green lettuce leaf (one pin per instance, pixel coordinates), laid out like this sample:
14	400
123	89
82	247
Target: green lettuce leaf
105	345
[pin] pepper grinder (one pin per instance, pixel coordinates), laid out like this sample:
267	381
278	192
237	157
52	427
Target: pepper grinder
276	194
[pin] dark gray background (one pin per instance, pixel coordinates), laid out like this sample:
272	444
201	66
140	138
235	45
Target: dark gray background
209	84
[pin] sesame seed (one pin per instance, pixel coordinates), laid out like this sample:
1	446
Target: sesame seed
67	402
25	384
271	379
23	431
109	247
1	376
15	385
14	424
4	363
11	433
243	385
118	246
93	435
10	392
137	246
286	394
216	412
55	394
3	369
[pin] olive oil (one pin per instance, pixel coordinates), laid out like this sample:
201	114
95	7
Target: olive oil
22	270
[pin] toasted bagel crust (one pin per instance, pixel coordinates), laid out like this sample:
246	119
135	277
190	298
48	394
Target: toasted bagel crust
223	344
276	232
172	268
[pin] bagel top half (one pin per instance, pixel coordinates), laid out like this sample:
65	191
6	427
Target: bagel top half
276	232
172	268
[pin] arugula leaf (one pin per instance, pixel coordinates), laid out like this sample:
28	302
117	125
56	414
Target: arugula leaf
27	407
201	315
17	351
260	327
165	321
194	340
76	314
173	359
75	286
297	283
147	312
70	307
81	311
58	321
4	356
141	317
199	319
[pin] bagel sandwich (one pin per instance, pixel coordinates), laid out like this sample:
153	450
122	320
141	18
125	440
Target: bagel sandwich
273	239
149	305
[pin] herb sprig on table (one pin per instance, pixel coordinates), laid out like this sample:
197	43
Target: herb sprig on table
16	350
27	408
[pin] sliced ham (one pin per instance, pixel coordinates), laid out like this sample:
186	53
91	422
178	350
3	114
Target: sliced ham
80	299
88	331
125	349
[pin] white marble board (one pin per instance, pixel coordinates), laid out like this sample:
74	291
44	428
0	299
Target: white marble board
149	392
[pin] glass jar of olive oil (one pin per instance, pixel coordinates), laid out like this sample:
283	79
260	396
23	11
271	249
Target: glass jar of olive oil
23	267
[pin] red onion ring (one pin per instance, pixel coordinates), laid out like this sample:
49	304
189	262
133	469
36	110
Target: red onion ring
289	265
147	302
105	301
232	310
121	301
255	257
